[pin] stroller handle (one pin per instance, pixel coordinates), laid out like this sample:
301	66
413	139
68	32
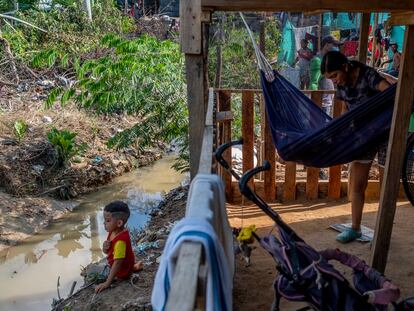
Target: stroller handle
220	150
249	174
252	196
219	156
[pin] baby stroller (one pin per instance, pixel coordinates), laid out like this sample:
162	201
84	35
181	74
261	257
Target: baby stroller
306	275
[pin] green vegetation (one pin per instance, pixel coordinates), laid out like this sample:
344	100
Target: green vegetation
70	38
113	72
65	145
19	129
239	69
141	76
113	75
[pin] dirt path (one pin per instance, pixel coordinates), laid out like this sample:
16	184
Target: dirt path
310	221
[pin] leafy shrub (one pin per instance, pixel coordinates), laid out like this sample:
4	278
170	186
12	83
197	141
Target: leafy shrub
238	55
20	128
239	68
65	145
141	76
70	34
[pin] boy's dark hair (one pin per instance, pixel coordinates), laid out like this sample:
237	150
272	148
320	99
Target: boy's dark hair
119	210
333	61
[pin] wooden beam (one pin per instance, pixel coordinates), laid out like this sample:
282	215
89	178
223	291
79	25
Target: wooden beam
197	93
184	283
406	18
248	132
363	38
206	155
224	104
289	188
196	109
190	26
222	116
334	186
395	153
309	5
312	173
270	155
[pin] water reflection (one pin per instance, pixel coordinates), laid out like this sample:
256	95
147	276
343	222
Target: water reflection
29	271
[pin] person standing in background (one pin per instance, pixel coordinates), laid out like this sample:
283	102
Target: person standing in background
396	60
317	80
303	61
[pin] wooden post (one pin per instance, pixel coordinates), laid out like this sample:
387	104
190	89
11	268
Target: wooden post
260	147
248	131
220	39
374	41
312	173
334	185
184	283
269	153
363	37
224	104
395	154
194	39
289	188
269	149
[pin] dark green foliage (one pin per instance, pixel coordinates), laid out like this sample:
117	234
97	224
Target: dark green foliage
239	68
65	145
142	76
70	35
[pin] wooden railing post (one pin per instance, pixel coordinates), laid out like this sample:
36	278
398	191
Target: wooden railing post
224	104
248	132
312	174
269	154
289	189
334	186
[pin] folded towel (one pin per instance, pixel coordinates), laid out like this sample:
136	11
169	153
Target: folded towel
206	199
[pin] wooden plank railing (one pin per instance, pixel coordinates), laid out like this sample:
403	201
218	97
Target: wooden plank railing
188	287
266	149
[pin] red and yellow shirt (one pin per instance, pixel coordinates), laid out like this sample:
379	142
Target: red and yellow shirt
121	249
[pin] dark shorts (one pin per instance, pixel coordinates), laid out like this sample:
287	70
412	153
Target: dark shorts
380	152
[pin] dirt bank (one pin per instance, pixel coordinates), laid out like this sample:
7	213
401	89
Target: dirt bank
137	296
31	180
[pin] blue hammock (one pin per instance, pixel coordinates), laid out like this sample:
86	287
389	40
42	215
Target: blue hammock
302	132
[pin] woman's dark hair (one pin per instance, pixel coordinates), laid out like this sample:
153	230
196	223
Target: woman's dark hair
333	61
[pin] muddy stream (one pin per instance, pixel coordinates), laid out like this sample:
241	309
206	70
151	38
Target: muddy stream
29	271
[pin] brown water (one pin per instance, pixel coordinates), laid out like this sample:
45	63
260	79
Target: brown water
29	271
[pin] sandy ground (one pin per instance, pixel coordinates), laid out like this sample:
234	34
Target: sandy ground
311	221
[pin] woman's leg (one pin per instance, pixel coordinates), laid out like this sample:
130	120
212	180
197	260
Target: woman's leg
360	172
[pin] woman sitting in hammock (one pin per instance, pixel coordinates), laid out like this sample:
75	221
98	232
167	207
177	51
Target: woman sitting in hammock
356	83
